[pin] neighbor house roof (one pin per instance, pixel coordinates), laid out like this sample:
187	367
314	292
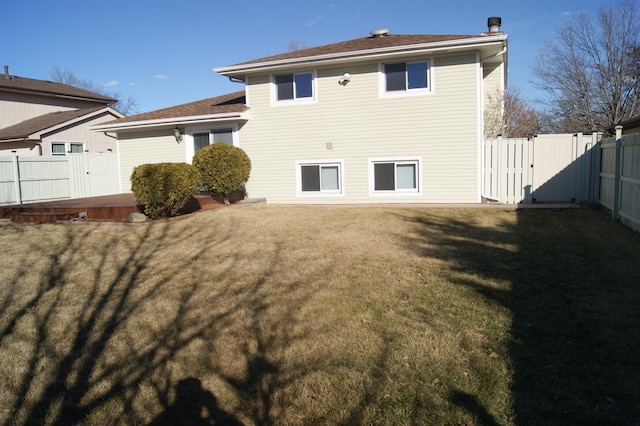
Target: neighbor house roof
30	128
15	83
365	47
231	105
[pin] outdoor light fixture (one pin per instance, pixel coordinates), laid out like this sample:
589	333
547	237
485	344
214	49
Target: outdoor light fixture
177	134
345	79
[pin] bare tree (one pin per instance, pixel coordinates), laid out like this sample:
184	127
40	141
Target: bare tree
591	69
294	45
509	115
126	106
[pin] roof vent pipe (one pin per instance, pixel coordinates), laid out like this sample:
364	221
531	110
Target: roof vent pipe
379	33
6	72
494	24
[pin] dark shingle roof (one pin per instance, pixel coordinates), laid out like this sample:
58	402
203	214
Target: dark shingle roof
24	129
360	44
232	102
22	84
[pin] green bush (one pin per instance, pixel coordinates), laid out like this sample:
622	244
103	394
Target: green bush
163	189
224	168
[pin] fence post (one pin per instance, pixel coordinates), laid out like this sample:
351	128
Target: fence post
16	178
615	211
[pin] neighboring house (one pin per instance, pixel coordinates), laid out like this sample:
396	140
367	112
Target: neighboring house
380	119
632	125
40	117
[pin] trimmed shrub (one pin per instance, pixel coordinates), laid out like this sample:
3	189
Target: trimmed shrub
224	168
163	189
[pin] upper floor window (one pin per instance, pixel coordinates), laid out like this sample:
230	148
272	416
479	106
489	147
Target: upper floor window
406	76
294	87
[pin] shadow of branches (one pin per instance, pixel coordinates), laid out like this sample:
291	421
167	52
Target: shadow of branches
132	325
569	280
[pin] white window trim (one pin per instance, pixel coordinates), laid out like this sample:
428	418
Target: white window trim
382	81
189	141
84	147
417	160
321	193
288	102
67	146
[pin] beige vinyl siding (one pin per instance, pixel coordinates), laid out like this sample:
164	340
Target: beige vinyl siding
18	107
142	147
93	141
492	80
440	127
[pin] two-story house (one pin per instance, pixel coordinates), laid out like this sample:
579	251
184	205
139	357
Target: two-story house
39	117
380	119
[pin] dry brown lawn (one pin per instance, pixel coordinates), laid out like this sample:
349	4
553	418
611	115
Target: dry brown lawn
322	315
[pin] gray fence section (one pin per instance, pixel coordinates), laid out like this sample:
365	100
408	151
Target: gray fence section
33	179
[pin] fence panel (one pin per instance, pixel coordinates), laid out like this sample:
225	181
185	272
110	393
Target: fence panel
630	180
35	179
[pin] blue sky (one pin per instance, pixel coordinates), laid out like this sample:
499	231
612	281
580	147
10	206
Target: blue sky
161	52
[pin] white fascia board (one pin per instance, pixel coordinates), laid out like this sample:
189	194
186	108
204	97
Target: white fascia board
39	134
439	47
170	122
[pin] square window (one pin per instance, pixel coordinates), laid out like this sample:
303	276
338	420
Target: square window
400	176
402	77
292	87
76	148
319	178
58	148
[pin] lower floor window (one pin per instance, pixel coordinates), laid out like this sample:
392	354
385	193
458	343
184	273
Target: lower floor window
397	175
319	178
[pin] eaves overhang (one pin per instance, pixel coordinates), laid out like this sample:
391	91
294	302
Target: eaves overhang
173	121
485	44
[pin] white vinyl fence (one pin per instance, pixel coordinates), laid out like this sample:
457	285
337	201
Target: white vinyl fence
33	179
542	168
560	168
620	177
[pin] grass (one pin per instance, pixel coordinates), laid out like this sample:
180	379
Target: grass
323	315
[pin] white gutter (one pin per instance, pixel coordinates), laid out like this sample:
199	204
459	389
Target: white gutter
448	45
170	121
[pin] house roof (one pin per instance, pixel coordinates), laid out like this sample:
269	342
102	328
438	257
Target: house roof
27	128
15	83
364	47
229	105
359	44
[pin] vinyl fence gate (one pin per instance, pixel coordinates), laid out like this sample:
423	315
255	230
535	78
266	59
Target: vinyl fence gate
540	169
29	179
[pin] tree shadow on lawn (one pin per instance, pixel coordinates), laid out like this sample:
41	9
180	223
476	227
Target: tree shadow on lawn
574	294
129	342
